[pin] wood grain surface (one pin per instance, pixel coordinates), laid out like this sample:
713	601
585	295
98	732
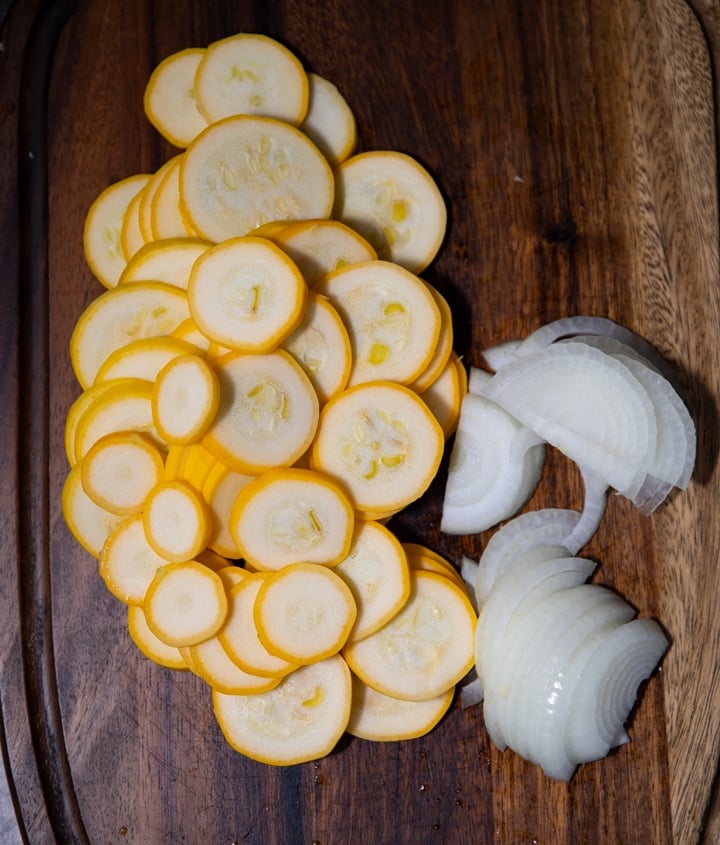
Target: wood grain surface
575	144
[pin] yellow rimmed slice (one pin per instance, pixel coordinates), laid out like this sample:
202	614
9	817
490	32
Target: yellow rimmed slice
174	460
89	524
239	636
185	399
125	406
167	220
381	442
197	465
131	238
304	613
292	515
268	412
102	242
382	718
169	100
142	358
209	661
321	345
425	649
75	414
128	563
147	197
119	316
230	574
167	260
185	603
391	317
329	121
251	74
320	246
150	645
246	294
120	469
377	573
301	719
243	171
445	394
220	490
190	333
394	203
443	347
176	520
215	561
269	229
421	557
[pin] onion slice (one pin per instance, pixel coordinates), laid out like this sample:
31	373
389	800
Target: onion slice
594	504
588	405
537	710
497	356
590	325
518	537
606	686
495	465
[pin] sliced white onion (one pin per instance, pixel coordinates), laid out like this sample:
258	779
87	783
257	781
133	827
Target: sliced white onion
594	502
588	405
518	537
468	572
675	447
496	357
511	599
477	379
537	714
591	325
495	465
471	693
606	685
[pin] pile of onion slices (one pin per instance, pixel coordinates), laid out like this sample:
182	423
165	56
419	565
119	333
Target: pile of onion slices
559	661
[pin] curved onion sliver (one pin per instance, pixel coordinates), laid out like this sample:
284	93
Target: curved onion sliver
495	465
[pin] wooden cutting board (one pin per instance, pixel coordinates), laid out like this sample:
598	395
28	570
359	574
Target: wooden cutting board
575	145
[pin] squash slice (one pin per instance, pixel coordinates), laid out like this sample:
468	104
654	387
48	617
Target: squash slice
142	358
239	635
185	603
391	317
329	121
102	234
425	649
246	294
291	515
394	203
89	524
151	646
382	718
304	613
268	412
300	720
243	171
377	573
381	442
176	520
119	316
127	562
319	247
321	345
167	260
185	399
170	101
251	74
119	471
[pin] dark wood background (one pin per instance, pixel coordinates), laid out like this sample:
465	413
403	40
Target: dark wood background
575	144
